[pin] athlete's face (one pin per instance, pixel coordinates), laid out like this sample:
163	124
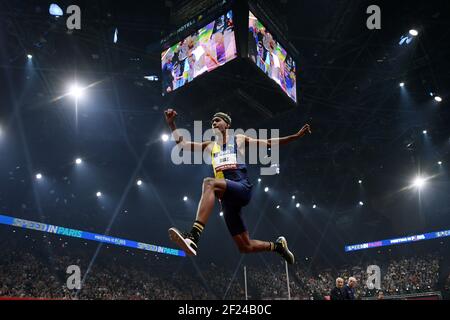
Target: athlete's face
219	125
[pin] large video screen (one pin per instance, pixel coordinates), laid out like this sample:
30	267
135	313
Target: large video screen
207	49
271	57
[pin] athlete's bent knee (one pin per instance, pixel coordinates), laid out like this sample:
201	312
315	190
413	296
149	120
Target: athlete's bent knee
245	249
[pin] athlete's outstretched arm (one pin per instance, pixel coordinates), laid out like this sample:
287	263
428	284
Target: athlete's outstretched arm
280	141
170	115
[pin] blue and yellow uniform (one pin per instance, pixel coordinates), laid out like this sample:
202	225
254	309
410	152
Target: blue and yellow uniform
239	189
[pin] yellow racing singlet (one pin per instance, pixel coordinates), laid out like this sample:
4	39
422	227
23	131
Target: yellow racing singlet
223	159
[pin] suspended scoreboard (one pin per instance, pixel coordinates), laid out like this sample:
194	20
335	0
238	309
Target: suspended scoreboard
232	52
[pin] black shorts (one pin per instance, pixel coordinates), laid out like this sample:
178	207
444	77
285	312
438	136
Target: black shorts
237	195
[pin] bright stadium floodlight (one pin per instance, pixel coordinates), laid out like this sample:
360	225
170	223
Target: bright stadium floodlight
266	189
151	78
419	182
278	206
439	162
39	176
402	84
185	198
139	182
402	40
259	179
360	181
55	10
293	197
438	99
76	91
406	39
29	56
116	33
361	203
221	213
98	194
165	137
414	32
297	205
78	161
314	206
424	131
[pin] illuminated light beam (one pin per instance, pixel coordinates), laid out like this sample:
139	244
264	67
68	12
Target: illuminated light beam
414	185
82	88
76	91
43	227
419	182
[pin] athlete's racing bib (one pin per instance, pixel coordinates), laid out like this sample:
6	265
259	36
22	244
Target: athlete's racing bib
223	160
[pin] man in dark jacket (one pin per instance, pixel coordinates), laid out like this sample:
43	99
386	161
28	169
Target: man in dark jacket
338	293
349	289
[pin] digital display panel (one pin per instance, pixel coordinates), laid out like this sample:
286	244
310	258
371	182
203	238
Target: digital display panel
271	57
203	51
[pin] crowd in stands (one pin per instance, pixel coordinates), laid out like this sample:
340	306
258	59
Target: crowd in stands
25	273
